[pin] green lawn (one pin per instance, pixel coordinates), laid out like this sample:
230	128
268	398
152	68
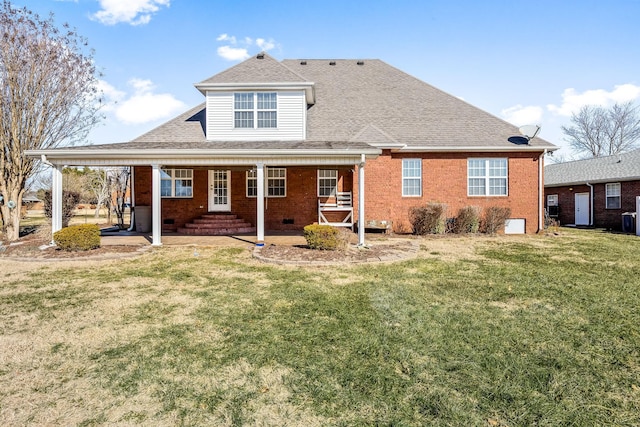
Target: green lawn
507	331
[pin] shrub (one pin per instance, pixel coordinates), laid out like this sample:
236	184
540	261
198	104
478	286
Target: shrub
430	219
468	220
324	237
70	200
494	219
78	237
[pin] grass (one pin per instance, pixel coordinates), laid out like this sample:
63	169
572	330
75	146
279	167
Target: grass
476	331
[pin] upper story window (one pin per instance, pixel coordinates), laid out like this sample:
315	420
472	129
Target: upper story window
327	182
176	183
255	110
613	195
412	177
487	177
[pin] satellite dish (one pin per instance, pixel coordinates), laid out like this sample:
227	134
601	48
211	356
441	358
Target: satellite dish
529	131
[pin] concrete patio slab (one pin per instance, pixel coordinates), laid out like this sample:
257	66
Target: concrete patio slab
124	238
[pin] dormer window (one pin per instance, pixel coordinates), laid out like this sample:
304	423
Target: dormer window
248	106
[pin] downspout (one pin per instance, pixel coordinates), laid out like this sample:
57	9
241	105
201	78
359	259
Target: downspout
361	215
132	202
590	204
541	191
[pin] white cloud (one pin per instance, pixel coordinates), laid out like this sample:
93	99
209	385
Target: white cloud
236	50
226	38
233	53
265	45
142	106
572	100
519	115
133	12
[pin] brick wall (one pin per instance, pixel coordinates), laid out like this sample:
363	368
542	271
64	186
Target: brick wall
602	217
444	179
293	212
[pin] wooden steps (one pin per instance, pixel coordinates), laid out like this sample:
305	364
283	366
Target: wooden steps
217	224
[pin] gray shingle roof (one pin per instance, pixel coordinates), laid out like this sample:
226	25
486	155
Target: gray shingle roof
350	97
357	102
265	70
622	167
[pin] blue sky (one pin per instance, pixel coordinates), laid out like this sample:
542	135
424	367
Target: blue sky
528	62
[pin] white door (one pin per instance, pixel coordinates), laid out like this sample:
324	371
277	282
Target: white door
219	184
582	208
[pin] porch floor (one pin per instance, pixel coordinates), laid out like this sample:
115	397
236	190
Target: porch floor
125	238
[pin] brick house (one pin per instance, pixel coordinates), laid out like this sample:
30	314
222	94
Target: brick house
593	192
283	144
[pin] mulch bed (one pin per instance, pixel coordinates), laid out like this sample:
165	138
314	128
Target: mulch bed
387	251
31	247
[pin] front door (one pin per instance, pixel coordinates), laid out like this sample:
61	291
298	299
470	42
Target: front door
582	208
219	184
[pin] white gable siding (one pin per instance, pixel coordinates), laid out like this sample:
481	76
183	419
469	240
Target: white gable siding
292	110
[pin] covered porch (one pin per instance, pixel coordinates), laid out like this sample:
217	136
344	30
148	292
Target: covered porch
234	182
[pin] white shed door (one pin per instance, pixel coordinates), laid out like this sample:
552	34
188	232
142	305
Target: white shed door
582	208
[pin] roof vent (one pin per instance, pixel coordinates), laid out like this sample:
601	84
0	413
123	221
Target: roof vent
332	63
260	55
360	62
303	62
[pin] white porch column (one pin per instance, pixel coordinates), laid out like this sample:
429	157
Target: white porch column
637	215
260	204
361	201
56	199
156	206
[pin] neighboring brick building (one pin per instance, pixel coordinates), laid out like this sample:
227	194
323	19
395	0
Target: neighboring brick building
285	144
594	192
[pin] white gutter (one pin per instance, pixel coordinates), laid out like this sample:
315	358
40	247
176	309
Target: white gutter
473	149
43	159
191	153
590	203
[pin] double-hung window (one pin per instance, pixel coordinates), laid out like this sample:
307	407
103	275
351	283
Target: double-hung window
276	183
412	177
327	182
255	110
613	195
487	177
176	183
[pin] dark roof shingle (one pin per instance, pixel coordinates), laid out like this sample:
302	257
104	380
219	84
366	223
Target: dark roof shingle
619	167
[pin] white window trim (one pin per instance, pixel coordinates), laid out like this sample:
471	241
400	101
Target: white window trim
608	196
268	181
251	178
552	200
487	177
412	178
334	191
172	172
255	110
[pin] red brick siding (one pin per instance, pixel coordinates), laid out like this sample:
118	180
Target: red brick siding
300	204
444	179
602	217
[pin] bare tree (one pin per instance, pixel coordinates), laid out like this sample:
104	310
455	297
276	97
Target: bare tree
48	96
97	183
599	131
119	185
